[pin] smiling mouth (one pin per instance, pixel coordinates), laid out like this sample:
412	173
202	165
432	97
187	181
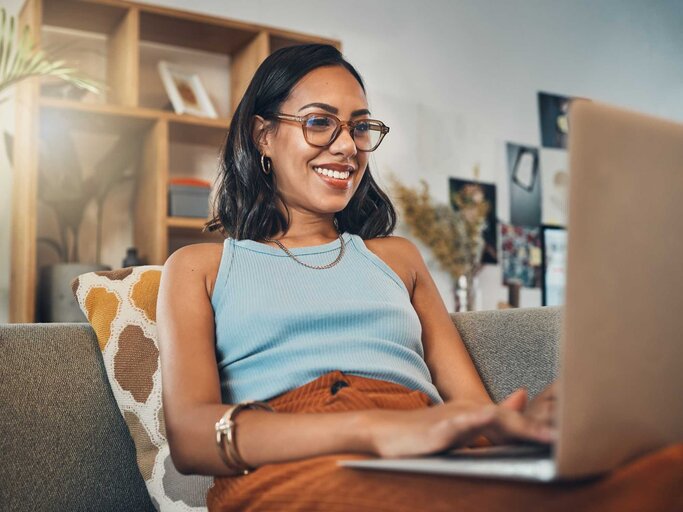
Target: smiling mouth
337	175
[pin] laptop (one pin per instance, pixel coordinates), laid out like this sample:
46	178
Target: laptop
620	377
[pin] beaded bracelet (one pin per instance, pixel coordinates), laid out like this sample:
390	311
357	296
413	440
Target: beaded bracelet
225	435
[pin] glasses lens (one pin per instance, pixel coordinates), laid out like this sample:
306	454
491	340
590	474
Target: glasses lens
366	134
319	129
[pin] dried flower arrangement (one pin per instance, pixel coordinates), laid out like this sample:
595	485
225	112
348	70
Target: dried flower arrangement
455	237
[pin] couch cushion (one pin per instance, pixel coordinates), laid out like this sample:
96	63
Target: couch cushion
63	442
121	307
513	347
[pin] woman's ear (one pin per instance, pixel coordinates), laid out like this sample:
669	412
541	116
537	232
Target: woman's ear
260	134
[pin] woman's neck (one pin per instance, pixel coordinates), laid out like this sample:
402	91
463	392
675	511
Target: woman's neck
308	232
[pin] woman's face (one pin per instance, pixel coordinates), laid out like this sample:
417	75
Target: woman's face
297	165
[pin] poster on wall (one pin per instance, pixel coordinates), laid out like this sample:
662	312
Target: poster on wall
483	192
555	184
554	269
524	184
521	255
553	111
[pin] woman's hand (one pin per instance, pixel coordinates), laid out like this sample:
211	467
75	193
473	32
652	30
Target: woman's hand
543	407
453	424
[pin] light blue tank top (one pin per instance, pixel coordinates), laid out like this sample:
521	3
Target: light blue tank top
280	325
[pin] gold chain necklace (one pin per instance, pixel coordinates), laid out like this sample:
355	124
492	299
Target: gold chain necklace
342	248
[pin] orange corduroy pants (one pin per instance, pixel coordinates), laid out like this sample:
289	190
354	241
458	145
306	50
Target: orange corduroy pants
650	483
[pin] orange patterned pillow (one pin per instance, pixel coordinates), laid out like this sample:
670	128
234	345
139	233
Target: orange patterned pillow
121	307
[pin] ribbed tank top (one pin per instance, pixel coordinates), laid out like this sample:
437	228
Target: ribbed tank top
280	325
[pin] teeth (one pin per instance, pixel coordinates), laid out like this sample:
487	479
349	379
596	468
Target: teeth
343	175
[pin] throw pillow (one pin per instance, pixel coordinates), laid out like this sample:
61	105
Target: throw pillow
121	307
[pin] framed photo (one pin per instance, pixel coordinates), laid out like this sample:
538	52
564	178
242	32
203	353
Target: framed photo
521	255
554	256
524	184
553	111
555	185
185	90
482	192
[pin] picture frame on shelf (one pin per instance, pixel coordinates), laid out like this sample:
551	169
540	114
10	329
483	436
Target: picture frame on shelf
185	90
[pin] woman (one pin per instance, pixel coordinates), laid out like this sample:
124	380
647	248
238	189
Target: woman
312	306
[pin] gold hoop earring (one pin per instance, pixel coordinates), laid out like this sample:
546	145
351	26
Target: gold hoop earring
266	164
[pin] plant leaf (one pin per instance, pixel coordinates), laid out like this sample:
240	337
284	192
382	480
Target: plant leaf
24	60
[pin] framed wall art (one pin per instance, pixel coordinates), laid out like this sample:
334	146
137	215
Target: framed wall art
525	185
487	193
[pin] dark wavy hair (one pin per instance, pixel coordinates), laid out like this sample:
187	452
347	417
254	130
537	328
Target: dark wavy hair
245	204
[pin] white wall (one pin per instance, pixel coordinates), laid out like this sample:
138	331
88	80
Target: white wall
455	80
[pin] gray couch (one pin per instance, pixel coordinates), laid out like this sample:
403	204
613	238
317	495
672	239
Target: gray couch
63	442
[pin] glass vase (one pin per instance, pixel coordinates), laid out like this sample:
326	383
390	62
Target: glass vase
465	291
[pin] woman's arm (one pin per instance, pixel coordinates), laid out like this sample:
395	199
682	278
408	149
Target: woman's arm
192	400
449	363
191	391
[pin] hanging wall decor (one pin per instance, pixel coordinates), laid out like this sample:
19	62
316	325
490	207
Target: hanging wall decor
553	111
524	184
555	185
470	192
521	255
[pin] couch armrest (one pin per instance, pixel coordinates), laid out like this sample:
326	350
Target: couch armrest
512	347
63	442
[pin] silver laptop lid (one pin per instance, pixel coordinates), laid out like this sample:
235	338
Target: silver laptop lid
621	377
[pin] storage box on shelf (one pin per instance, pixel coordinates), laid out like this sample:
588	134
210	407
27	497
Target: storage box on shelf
120	43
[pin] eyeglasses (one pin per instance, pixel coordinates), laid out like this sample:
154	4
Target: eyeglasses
321	130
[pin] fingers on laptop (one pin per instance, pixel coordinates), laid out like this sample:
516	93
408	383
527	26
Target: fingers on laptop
543	407
499	424
517	400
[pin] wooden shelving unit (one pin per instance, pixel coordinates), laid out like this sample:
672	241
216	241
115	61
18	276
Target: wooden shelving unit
127	36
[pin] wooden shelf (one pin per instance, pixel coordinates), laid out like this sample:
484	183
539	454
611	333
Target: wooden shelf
161	25
122	111
116	118
197	130
95	117
279	38
123	42
184	230
186	222
102	17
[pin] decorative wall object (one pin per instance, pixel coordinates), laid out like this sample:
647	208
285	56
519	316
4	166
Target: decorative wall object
554	268
555	185
464	192
525	185
521	255
185	90
553	111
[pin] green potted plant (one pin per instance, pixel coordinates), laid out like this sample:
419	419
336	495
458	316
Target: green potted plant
20	59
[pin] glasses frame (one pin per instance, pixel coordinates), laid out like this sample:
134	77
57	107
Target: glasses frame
384	129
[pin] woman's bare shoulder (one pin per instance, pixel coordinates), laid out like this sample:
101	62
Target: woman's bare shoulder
400	254
197	261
